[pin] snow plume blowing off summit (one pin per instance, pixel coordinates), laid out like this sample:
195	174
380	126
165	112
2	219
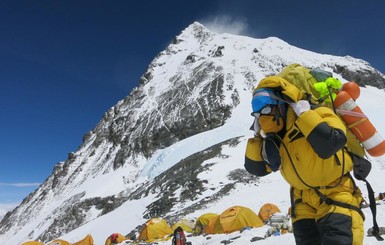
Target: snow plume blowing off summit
174	147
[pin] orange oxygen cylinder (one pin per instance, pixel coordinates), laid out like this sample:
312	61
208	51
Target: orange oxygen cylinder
360	126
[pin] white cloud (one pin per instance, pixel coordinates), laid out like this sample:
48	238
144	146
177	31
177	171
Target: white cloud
19	184
226	24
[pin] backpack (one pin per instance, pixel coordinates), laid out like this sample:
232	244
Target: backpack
300	77
307	81
179	237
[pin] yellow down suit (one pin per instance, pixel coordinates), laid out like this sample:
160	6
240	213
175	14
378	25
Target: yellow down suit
312	159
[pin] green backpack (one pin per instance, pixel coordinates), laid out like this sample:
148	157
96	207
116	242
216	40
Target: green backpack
300	77
307	81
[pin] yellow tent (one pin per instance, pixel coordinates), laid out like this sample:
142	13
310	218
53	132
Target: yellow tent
87	240
115	236
155	229
59	242
32	243
267	210
187	225
233	219
202	222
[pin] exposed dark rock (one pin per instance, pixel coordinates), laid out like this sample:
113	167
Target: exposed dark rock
184	177
362	77
218	51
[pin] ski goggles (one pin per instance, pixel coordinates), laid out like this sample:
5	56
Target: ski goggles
267	110
264	98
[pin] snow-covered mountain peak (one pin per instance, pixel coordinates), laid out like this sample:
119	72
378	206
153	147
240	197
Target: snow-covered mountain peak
197	31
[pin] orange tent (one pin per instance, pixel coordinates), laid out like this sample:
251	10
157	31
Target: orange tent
202	222
233	219
32	243
59	242
155	229
185	224
87	240
117	237
267	210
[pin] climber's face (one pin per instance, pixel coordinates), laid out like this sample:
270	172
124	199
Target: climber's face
268	110
269	122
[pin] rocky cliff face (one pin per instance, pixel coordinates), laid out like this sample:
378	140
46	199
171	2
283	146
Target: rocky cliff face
198	84
363	77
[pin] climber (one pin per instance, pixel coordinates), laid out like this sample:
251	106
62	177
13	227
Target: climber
307	145
179	237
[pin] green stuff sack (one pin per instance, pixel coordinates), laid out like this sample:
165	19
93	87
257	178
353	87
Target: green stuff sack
300	77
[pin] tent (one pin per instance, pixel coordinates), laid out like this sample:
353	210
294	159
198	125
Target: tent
87	240
267	210
117	236
59	242
202	222
233	219
155	229
187	225
32	243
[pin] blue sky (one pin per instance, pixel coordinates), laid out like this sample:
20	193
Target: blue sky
64	63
